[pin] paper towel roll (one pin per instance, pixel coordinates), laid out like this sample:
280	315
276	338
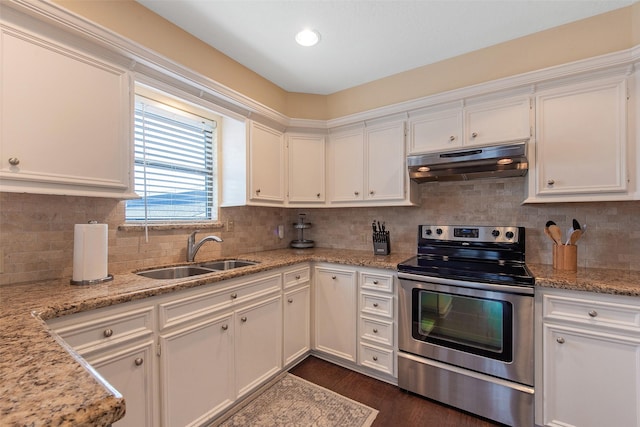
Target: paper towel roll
90	252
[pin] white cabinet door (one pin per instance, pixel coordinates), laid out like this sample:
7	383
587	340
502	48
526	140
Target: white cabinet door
386	171
336	312
297	323
435	131
65	120
130	369
306	169
346	169
266	164
581	141
590	380
258	343
498	121
197	371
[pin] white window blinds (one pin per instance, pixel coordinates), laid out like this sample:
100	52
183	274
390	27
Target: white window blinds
174	171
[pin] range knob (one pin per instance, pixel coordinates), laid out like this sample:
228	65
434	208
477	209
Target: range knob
438	231
495	233
509	234
428	232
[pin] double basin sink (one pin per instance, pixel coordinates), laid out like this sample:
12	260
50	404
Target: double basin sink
183	271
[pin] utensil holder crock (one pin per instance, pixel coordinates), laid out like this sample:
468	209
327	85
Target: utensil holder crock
565	257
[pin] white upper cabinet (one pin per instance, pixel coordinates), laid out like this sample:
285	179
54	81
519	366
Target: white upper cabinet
346	166
497	121
367	166
266	165
478	122
65	120
440	130
581	148
306	156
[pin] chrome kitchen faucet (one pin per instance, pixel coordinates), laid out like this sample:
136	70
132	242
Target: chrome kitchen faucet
192	246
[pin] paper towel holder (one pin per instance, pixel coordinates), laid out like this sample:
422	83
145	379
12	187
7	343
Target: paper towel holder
107	278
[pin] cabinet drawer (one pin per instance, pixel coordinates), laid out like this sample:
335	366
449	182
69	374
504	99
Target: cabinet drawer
88	331
378	331
377	282
377	358
296	277
618	316
255	288
380	305
191	308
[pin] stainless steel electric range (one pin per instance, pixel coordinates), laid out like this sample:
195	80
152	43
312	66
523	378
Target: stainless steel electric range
466	321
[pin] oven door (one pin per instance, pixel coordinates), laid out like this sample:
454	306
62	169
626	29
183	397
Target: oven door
483	330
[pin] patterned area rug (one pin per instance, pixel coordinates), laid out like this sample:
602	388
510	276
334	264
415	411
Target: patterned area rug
292	401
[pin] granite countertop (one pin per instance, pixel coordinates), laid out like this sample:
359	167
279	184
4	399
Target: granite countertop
45	383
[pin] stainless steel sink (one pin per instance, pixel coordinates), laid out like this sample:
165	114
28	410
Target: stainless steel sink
175	272
227	264
183	271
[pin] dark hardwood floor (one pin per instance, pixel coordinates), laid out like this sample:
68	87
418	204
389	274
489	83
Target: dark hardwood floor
396	407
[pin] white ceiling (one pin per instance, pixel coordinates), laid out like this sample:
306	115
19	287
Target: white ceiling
362	40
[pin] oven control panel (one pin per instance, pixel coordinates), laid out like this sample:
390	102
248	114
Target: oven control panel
470	233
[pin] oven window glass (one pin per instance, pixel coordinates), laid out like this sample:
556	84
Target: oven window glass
475	325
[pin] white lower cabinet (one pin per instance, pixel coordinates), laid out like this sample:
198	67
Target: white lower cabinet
258	331
297	322
590	360
197	366
336	311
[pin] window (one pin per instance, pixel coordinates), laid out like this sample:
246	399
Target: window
175	164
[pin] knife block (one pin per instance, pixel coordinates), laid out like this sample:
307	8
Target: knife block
565	257
381	242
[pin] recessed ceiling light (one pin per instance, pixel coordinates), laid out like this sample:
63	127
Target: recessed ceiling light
308	37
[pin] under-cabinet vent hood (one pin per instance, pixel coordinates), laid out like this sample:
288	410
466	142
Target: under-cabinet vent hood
470	163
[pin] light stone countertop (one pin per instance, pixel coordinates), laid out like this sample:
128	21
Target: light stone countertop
45	383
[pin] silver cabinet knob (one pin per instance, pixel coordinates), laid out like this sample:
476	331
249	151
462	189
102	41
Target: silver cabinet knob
225	327
258	191
107	333
375	331
318	195
375	358
560	340
550	182
234	295
290	300
452	138
356	193
243	319
375	304
297	277
474	135
333	277
372	192
139	361
593	313
375	282
14	161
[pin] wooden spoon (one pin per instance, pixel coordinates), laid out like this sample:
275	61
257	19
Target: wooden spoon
554	232
575	236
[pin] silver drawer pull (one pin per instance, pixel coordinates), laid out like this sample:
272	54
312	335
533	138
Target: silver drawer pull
243	319
560	340
375	282
234	295
375	358
14	161
593	313
107	333
375	304
290	300
225	327
333	277
375	331
297	277
139	361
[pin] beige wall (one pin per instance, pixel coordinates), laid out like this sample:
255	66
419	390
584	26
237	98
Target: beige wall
609	32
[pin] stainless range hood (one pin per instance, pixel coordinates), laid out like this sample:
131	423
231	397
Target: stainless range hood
468	163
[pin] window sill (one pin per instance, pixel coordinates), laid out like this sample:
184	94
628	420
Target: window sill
132	226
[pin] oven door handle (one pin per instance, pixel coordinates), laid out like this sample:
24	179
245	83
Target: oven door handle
512	289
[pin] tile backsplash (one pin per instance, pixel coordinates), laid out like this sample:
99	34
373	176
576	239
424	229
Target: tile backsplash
36	231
